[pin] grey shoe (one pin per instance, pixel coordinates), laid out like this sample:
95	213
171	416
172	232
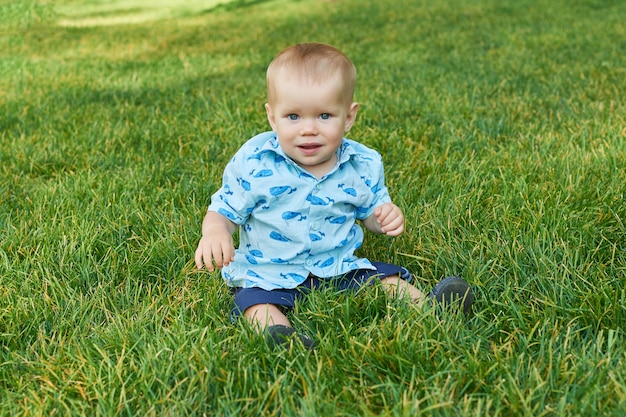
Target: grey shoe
282	335
453	290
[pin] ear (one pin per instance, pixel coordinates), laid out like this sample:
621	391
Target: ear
270	116
351	117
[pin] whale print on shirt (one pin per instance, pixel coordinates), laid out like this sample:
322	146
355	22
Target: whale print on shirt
293	277
276	191
277	236
262	173
254	252
244	184
279	261
336	220
289	215
251	259
316	237
230	216
350	191
328	262
316	201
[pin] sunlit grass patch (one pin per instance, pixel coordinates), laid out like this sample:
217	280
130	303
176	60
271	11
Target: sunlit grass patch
103	13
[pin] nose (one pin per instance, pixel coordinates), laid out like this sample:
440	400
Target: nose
308	128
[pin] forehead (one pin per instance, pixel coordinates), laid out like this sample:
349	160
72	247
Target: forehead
291	84
304	76
306	91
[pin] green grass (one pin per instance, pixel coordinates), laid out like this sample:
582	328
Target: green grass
502	125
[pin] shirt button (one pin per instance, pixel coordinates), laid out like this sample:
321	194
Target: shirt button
315	226
308	262
318	187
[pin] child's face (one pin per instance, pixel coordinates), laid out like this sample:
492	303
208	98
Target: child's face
310	120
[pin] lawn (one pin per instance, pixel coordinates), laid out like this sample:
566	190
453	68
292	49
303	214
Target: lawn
502	125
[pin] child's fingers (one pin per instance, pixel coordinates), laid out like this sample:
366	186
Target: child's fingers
199	257
391	220
214	250
392	223
228	254
215	255
207	261
382	212
387	213
220	256
394	228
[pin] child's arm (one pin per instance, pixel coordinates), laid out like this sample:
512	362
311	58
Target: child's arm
387	218
216	245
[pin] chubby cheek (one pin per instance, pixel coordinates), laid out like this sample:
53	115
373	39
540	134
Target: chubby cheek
334	136
286	136
286	141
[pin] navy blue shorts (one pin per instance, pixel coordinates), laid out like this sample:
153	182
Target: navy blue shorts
353	280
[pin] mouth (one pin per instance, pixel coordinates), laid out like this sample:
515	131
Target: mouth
309	148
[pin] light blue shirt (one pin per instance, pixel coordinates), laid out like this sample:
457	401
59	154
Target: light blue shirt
292	224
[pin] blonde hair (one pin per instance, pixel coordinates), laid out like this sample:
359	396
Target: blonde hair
316	62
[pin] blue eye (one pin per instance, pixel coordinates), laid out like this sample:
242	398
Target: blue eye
325	116
292	116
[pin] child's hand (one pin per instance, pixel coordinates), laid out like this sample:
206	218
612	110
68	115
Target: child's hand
215	249
216	246
390	219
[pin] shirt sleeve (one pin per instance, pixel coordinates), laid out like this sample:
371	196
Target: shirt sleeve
235	199
375	181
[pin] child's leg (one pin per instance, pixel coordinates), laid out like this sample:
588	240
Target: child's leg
397	287
270	319
446	292
262	316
